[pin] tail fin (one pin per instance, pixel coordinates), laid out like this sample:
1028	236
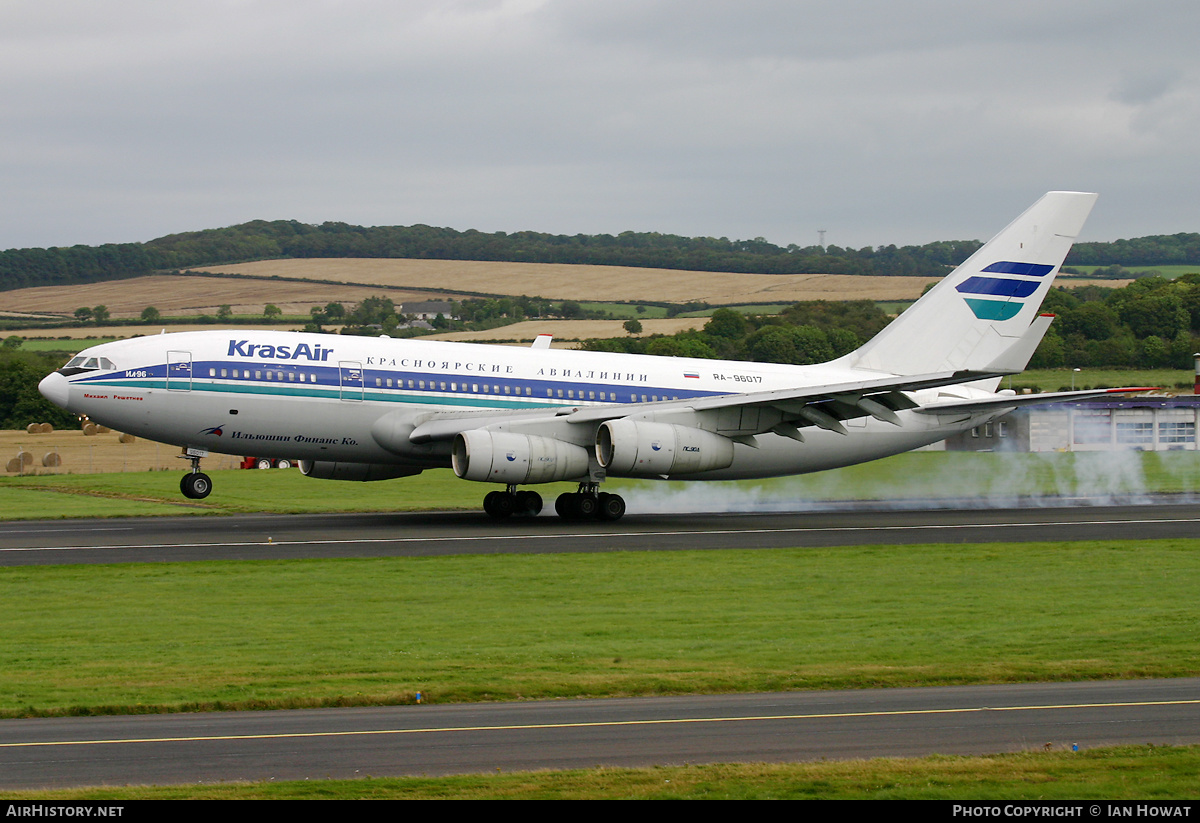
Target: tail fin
986	305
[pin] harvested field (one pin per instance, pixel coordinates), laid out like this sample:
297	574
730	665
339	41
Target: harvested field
420	280
182	296
572	330
101	332
82	454
601	283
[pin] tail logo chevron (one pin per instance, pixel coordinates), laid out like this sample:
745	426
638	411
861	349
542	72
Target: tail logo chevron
1011	291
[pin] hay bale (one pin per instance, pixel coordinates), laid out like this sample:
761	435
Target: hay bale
14	465
45	428
90	429
26	458
33	428
126	438
51	460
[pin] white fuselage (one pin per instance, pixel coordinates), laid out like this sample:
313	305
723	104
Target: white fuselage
369	400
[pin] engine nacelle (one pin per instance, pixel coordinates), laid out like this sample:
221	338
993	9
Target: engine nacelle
629	448
505	457
341	470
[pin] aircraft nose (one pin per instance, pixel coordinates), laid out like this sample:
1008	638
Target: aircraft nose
55	388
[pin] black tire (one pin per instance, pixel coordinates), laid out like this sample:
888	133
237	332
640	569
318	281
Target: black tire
587	506
499	504
612	507
564	506
529	503
196	486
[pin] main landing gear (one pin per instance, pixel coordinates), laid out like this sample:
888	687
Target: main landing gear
510	501
197	484
586	504
590	502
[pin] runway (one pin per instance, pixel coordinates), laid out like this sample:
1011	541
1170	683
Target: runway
484	738
437	739
260	537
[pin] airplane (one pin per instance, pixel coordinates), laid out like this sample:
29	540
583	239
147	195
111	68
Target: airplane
376	408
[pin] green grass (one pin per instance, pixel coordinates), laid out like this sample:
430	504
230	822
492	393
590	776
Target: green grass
625	311
1170	272
278	634
1155	773
1055	379
71	345
628	311
745	308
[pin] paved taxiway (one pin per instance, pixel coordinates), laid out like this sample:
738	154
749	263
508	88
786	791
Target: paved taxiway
566	734
435	740
379	535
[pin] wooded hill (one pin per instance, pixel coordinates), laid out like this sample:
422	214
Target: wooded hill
261	240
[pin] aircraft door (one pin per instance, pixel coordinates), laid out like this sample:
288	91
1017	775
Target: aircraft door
179	371
351	377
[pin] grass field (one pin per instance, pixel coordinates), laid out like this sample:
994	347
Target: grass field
1119	773
1166	271
1056	379
271	634
276	634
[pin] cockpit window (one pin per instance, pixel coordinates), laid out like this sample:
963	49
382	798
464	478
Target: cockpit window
84	363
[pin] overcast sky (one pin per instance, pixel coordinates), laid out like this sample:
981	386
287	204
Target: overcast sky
881	121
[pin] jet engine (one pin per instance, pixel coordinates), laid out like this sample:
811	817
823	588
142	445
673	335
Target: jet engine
505	457
632	448
341	470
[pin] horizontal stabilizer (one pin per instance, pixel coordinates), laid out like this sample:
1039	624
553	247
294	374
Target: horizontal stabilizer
1012	401
1016	357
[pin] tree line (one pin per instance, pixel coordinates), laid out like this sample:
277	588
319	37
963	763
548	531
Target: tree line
1151	323
262	239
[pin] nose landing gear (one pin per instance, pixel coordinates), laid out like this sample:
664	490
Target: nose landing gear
197	484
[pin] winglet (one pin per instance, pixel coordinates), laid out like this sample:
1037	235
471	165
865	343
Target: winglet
542	341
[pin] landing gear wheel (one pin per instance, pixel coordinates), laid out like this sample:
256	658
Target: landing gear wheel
529	503
612	506
586	505
565	506
499	504
262	463
284	464
195	486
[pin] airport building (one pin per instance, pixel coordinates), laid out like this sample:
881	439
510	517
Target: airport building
1141	423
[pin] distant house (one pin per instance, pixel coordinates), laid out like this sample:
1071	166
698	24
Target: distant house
1140	423
427	310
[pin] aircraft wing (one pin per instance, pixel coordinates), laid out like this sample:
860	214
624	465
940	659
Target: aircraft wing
744	414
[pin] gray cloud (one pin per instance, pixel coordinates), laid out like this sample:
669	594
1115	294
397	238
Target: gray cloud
881	122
